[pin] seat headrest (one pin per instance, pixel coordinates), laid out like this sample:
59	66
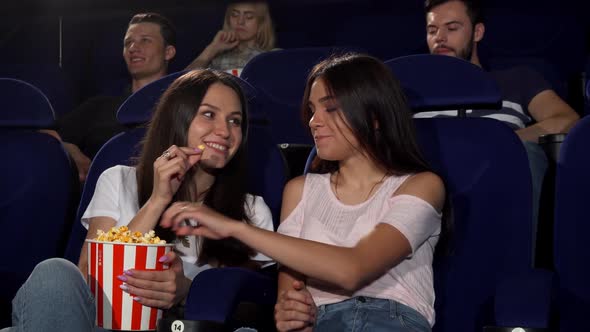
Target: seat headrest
440	82
281	74
139	106
24	105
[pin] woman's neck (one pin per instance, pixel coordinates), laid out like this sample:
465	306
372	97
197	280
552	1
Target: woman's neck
357	181
360	171
203	181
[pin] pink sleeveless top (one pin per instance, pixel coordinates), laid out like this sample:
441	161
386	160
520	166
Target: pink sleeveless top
321	217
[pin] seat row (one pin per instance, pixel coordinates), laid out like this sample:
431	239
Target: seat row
486	279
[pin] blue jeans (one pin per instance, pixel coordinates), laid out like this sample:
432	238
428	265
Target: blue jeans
369	314
54	298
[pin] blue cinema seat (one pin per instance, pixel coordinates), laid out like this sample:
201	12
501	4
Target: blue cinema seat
571	227
485	279
439	82
279	77
37	187
52	80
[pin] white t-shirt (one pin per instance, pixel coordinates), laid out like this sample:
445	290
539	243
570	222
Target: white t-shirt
115	197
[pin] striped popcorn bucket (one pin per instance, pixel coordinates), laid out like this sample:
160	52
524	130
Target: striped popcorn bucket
236	71
115	309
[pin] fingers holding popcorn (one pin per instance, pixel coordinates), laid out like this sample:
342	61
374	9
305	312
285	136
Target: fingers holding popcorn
209	223
170	168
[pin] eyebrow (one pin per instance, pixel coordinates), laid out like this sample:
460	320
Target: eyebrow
245	11
430	25
217	108
454	22
326	98
322	100
142	35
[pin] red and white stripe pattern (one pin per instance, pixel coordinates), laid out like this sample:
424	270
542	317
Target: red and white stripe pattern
115	309
236	71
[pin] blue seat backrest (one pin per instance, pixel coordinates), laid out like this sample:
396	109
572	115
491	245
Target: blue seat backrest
24	106
53	81
279	77
36	187
267	169
571	227
139	106
485	169
439	82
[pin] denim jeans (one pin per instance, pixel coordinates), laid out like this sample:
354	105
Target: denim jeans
369	314
54	298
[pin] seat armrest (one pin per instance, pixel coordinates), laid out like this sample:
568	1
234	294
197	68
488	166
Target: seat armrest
216	293
524	300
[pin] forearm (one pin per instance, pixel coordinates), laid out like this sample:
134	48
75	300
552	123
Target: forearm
553	125
306	257
148	216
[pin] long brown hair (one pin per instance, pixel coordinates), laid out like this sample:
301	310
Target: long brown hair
169	126
376	110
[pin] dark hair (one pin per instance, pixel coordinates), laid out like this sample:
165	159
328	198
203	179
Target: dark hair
169	125
374	107
376	110
167	29
473	8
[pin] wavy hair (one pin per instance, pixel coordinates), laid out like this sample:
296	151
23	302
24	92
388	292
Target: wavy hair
169	126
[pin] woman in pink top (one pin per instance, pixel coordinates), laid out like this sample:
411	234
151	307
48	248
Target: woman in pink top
358	231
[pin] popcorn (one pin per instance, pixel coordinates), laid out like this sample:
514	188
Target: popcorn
109	255
201	147
124	235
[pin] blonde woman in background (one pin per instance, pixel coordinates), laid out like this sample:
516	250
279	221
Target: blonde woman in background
247	31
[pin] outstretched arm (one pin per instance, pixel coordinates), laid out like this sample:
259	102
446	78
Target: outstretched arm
347	268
